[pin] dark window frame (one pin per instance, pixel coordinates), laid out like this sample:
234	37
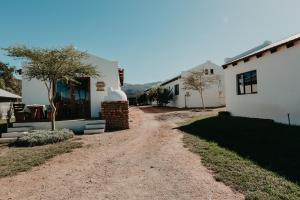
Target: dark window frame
212	71
206	71
246	79
176	89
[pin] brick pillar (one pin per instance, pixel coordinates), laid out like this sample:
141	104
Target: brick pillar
115	114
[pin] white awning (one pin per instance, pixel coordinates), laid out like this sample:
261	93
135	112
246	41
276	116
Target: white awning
6	94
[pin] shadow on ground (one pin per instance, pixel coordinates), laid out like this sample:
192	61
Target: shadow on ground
158	109
271	145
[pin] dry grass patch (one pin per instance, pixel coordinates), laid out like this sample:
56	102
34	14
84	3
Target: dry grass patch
20	159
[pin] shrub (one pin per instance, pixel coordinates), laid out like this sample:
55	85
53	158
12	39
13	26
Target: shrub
42	137
224	114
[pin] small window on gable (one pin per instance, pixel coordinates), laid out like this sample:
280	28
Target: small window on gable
176	89
206	71
211	71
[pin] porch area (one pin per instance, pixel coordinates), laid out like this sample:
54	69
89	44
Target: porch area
78	126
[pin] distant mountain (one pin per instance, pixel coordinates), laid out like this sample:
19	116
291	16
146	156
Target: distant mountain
135	89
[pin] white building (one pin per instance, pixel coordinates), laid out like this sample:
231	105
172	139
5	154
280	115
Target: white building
77	100
213	96
264	82
6	98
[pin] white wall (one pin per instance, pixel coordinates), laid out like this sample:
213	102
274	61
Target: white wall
109	74
35	92
212	96
278	86
4	108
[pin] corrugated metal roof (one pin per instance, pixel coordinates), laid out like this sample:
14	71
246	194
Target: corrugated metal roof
261	49
6	94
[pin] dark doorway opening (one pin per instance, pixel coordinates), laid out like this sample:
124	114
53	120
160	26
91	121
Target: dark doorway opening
73	99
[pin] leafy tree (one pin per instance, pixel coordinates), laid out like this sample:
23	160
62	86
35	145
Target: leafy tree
162	96
51	65
152	94
199	81
142	99
7	79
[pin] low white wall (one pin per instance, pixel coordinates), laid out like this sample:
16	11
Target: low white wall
278	84
76	125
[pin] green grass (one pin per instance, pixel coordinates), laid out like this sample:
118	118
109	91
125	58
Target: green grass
20	159
259	158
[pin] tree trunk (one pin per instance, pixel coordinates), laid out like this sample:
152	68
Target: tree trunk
203	105
51	96
53	115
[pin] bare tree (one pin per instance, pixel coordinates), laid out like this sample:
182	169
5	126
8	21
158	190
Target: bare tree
199	81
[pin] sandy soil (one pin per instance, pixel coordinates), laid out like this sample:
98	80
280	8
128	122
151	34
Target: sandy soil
147	161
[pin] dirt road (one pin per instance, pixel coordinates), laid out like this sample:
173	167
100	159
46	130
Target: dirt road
147	161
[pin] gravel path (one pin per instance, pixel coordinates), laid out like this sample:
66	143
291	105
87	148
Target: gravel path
147	161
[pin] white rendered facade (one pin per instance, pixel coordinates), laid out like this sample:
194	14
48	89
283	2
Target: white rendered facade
214	96
277	91
35	92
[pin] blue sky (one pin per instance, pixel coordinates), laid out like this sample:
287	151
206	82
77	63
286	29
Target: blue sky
152	39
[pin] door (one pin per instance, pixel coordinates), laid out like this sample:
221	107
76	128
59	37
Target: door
73	99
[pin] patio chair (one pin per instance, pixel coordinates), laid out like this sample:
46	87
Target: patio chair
19	112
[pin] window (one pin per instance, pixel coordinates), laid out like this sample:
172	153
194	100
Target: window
211	71
247	83
206	71
176	89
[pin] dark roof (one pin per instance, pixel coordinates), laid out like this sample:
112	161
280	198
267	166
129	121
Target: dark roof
170	80
261	49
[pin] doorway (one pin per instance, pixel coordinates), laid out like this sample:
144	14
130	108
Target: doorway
73	99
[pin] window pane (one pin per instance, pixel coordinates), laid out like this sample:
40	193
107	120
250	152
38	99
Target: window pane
206	71
248	89
254	88
240	84
176	89
247	78
211	71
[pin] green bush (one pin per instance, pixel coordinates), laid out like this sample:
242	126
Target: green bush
42	137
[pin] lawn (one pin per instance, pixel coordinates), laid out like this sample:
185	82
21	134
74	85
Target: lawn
17	159
257	157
